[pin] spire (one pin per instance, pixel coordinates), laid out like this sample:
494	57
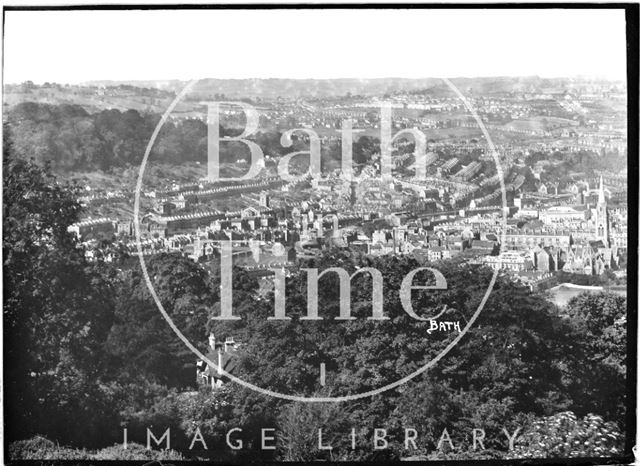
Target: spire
601	199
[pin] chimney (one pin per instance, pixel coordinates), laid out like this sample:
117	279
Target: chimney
228	342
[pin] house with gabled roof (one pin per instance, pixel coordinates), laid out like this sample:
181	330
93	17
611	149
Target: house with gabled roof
222	359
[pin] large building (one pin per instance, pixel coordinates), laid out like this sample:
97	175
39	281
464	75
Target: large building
561	214
514	261
530	239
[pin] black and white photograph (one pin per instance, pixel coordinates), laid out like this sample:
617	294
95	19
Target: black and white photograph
265	233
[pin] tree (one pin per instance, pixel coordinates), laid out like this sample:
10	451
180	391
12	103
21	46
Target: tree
298	427
57	309
600	367
511	361
364	148
141	341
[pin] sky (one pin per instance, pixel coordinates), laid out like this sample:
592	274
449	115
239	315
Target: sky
78	46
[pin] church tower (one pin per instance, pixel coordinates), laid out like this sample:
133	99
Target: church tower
264	200
602	221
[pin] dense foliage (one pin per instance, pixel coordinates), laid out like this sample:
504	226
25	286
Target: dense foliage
57	309
565	436
70	138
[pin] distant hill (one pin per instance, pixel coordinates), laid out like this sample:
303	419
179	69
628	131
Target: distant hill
273	88
153	96
292	88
